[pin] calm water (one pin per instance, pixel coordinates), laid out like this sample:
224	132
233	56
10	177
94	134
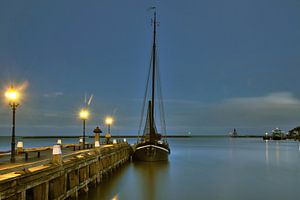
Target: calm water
210	168
203	168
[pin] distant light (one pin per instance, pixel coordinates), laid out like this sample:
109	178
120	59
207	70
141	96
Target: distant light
266	133
84	114
114	141
97	144
109	120
124	140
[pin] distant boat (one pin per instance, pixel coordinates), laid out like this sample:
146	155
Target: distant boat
234	133
267	137
278	134
151	146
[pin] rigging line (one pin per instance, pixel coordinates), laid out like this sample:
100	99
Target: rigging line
161	104
158	94
144	100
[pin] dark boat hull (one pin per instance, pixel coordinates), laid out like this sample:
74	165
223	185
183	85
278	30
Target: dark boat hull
150	153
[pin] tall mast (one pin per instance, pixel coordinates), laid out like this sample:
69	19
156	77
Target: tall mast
152	130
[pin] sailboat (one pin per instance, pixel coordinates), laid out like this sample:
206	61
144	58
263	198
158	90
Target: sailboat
152	146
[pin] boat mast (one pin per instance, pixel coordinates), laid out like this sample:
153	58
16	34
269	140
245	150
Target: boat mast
152	130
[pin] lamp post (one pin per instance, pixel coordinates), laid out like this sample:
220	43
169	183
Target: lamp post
12	96
83	114
108	121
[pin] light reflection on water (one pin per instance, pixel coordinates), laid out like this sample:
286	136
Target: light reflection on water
267	151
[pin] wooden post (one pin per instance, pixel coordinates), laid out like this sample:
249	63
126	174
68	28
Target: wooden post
56	187
40	192
21	195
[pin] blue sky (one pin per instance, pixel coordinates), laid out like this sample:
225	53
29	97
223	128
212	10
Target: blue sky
224	64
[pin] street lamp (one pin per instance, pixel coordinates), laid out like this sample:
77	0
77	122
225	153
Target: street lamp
84	114
12	96
108	121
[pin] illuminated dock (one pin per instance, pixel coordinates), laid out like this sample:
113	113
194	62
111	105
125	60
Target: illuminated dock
60	176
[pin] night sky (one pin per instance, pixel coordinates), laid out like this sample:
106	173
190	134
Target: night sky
224	64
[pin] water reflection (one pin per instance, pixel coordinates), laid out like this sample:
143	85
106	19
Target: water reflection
210	169
277	152
150	174
267	151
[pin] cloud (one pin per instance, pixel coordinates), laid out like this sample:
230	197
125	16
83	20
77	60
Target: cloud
274	109
53	94
272	99
248	114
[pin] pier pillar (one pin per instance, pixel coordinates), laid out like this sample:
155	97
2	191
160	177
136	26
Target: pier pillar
41	191
56	155
21	195
57	187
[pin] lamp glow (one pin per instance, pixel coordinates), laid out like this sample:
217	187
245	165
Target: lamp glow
11	94
109	120
84	114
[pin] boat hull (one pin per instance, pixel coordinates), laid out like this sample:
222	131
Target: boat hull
150	153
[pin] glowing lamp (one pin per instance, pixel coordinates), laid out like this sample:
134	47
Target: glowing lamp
84	114
11	93
109	120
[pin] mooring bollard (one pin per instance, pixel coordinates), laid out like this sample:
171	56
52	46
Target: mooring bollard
19	147
56	155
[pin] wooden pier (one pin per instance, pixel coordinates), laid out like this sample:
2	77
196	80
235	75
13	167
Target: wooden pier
61	176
